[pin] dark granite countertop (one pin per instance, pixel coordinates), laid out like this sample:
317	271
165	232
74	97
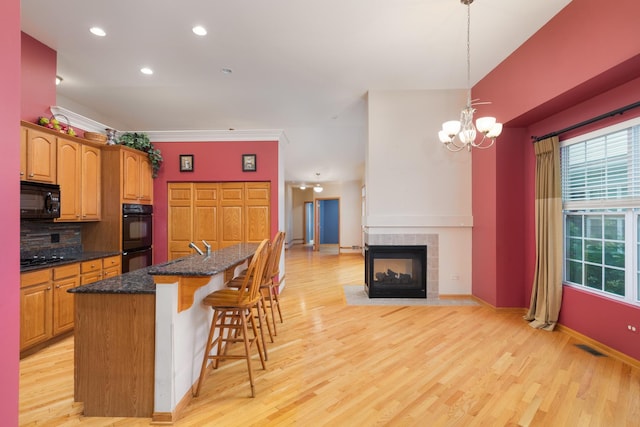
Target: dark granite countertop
70	259
203	265
141	281
134	282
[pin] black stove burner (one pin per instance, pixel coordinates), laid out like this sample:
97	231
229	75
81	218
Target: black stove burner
30	262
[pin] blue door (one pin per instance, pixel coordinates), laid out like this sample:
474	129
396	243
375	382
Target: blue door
328	221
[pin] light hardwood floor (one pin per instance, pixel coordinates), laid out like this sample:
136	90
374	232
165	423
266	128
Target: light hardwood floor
339	365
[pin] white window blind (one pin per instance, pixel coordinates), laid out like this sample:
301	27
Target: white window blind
602	170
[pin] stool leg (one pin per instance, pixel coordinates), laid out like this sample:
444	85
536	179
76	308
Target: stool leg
259	339
277	300
207	350
263	301
245	335
273	313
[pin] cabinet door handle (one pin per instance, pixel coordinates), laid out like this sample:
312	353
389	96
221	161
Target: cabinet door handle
31	175
57	286
21	173
48	288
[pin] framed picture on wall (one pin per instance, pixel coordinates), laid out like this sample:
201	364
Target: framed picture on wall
186	162
249	163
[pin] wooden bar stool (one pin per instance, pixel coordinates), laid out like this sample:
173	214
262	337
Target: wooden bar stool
233	318
269	282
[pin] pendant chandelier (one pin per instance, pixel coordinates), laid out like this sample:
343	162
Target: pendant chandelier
318	188
464	129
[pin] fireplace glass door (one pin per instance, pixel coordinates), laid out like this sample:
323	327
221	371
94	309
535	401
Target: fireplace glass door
396	271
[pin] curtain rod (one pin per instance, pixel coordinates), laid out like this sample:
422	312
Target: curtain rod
587	122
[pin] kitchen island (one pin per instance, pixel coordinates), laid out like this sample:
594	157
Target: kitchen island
140	337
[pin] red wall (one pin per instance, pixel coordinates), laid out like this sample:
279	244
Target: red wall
38	65
9	216
584	63
213	162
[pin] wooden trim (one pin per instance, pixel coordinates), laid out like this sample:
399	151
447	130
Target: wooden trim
599	346
498	309
168	418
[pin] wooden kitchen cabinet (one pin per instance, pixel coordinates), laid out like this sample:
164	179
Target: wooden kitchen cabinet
36	296
90	183
46	308
111	266
99	269
79	179
38	156
64	278
90	271
137	180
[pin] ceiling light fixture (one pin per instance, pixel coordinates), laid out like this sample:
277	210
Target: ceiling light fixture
464	128
303	187
58	80
199	30
146	70
318	188
226	71
97	31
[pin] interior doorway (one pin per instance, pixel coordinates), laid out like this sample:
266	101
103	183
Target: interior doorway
327	229
309	223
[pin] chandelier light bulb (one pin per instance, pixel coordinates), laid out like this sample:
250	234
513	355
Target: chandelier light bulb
318	188
485	124
495	131
452	127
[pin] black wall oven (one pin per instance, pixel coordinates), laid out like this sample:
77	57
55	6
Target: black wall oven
137	236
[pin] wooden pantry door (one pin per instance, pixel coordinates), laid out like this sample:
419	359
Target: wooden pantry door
223	214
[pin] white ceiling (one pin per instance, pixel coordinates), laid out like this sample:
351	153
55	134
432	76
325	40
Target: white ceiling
299	66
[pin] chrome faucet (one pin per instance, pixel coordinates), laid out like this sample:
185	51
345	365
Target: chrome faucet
197	249
208	246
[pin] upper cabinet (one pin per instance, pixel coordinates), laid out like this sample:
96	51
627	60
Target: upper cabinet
137	180
38	156
79	180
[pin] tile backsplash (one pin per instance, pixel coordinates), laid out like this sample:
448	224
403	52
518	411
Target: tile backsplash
48	238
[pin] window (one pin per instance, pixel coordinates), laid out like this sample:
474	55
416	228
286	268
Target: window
601	202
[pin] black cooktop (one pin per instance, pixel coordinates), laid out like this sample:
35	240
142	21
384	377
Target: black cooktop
42	260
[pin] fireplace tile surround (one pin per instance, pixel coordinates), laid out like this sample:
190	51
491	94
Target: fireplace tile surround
413	239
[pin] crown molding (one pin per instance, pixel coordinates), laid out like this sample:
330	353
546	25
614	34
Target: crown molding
87	124
215	135
79	121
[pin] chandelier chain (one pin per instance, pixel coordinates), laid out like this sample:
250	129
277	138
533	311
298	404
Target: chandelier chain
469	54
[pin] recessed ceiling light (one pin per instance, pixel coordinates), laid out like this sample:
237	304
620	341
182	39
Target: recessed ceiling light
226	71
199	30
97	31
146	70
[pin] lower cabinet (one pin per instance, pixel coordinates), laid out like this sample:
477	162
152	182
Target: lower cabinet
64	278
36	318
111	266
99	269
46	308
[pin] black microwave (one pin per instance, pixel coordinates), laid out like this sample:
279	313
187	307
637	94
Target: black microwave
39	201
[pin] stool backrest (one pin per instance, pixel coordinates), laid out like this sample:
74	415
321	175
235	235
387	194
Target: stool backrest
272	267
253	278
278	243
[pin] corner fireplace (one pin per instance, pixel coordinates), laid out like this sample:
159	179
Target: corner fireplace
395	271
